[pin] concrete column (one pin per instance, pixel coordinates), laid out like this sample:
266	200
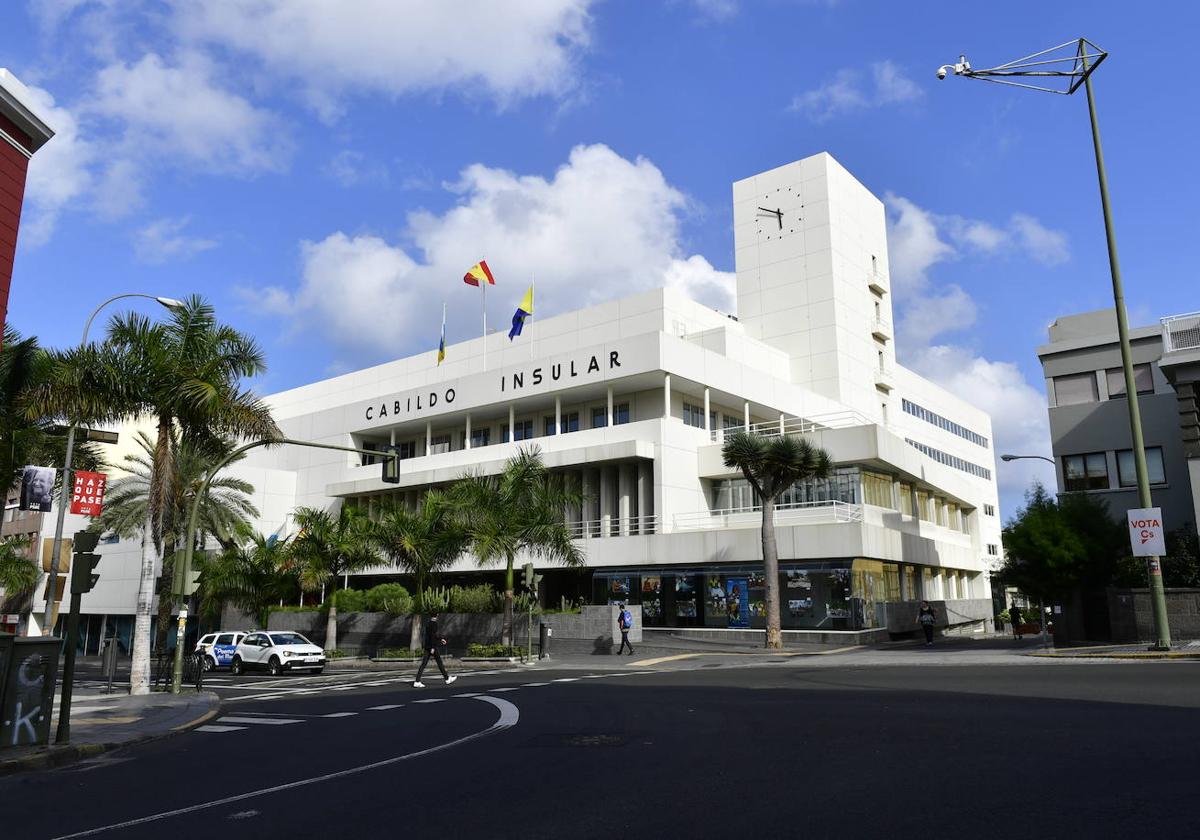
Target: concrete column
667	395
591	502
428	438
606	506
904	593
610	406
781	425
512	421
625	481
558	415
645	498
707	409
393	437
746	418
467	440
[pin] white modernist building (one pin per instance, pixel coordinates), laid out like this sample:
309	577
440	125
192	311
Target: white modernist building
634	397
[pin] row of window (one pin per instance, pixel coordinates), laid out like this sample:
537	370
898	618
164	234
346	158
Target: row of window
693	415
1078	388
951	460
881	490
942	423
1089	471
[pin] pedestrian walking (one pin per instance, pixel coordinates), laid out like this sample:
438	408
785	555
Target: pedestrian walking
1014	617
432	639
625	622
926	618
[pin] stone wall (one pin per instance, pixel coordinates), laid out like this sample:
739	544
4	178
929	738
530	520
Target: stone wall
1132	619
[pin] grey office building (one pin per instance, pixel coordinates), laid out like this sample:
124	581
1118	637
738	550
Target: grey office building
1089	418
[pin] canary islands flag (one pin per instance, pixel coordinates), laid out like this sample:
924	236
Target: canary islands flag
524	310
442	343
479	273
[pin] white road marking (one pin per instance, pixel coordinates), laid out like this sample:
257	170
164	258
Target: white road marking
431	700
212	727
475	694
384	708
509	715
339	714
509	688
267	721
535	685
567	679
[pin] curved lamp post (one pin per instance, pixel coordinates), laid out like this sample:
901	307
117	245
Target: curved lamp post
64	492
1063	70
183	574
1025	457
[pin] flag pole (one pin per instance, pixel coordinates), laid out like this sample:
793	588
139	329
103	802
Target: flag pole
533	294
483	284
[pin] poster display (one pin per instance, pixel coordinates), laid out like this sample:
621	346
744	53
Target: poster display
618	590
37	488
737	601
651	598
87	495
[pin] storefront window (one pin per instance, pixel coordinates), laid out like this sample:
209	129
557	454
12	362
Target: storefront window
736	494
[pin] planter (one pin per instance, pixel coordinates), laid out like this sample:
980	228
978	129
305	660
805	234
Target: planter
490	659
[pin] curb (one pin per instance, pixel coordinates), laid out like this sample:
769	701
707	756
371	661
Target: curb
1118	655
51	757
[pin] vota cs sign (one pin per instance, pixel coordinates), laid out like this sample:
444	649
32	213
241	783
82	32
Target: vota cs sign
1146	532
87	497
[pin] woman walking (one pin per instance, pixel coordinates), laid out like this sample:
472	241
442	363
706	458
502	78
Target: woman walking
926	618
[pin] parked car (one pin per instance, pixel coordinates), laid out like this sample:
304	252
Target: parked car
218	648
277	652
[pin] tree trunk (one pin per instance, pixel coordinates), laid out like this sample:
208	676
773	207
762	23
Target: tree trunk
414	639
506	628
166	600
331	621
139	673
771	573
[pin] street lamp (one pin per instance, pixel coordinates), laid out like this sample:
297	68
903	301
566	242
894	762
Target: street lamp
1063	70
1025	457
47	626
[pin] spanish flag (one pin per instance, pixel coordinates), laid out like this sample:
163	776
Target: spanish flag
524	310
442	343
479	273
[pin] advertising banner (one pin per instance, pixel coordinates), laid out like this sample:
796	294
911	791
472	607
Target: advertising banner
1146	532
37	488
737	601
87	497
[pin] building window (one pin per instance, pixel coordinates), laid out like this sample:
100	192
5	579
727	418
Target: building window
877	490
620	414
693	415
941	422
365	459
1127	472
906	505
548	427
1075	389
923	505
1085	472
481	437
439	444
993	550
1143	380
523	430
408	449
989	510
951	460
599	417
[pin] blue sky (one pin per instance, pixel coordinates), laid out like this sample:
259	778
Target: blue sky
324	173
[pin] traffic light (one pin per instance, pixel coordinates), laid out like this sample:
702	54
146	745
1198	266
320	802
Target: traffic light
537	583
391	465
527	571
184	585
83	576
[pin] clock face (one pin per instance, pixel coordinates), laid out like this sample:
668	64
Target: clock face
777	213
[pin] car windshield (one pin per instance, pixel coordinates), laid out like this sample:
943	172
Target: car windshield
289	639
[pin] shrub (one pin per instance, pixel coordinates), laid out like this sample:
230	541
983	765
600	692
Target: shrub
473	599
348	600
389	598
431	601
339	654
522	601
398	653
494	650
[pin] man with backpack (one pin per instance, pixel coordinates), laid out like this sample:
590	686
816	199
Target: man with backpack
625	622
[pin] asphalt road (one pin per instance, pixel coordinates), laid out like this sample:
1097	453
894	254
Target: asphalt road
786	750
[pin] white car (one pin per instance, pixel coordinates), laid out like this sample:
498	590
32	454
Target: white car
218	648
277	652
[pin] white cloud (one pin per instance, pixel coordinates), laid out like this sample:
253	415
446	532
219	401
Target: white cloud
850	91
163	241
508	51
58	174
350	168
1048	247
179	111
528	227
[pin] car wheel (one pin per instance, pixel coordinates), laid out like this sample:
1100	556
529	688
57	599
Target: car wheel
236	667
210	664
275	667
319	671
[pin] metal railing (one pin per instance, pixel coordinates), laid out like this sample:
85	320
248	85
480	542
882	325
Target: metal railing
798	513
797	425
613	527
1181	332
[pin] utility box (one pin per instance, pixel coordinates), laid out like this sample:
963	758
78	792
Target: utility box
30	674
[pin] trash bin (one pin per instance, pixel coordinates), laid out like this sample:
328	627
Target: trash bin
27	703
545	631
108	660
6	644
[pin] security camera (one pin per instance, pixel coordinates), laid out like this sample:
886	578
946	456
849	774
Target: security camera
941	73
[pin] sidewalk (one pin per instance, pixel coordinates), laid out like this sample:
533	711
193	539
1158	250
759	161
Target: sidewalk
1179	650
100	723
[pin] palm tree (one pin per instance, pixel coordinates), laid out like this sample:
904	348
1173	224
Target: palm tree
772	465
521	510
328	547
186	374
422	542
253	576
225	512
18	570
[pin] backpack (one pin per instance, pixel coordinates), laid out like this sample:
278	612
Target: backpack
626	620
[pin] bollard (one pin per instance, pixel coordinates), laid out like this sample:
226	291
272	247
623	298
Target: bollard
545	631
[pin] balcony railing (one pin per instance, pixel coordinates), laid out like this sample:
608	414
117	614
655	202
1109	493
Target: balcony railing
1181	332
616	527
799	513
798	425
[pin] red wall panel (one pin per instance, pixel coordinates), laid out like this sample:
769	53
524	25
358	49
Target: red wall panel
14	167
